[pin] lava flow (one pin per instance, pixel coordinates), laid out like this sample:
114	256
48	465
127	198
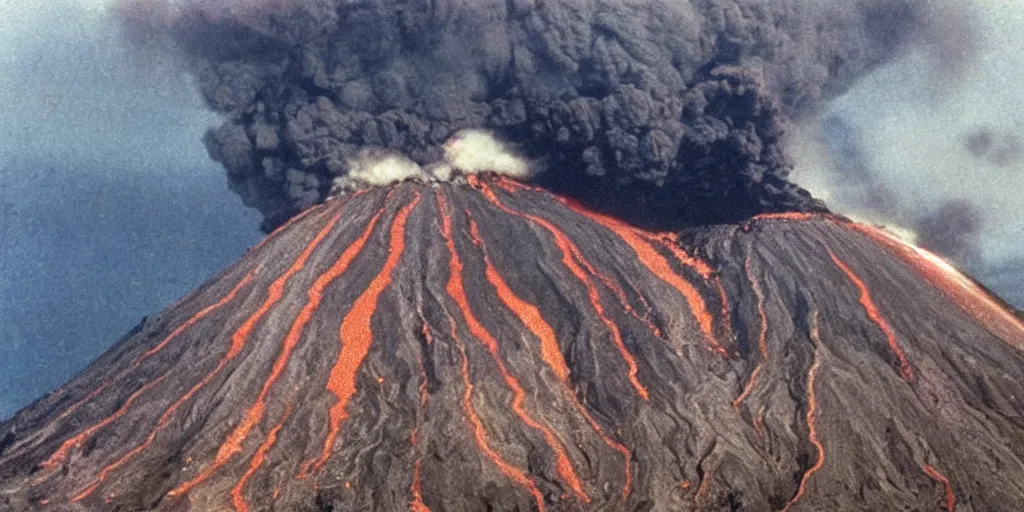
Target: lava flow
482	344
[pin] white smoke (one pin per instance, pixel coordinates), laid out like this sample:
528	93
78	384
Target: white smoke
466	152
476	151
373	168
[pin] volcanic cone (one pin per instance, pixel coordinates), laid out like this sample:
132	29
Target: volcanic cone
484	345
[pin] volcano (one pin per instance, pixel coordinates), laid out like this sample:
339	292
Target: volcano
487	345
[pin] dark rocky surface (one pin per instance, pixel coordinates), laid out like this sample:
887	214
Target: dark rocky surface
487	346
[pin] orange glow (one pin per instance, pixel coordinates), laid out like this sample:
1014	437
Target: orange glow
970	298
458	294
751	383
939	477
876	317
529	316
671	242
454	287
356	333
570	255
61	454
237	500
416	489
623	300
233	444
791	216
762	335
163	343
417	505
480	433
660	267
527	313
812	413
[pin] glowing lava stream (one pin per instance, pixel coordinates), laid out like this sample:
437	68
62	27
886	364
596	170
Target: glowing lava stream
458	294
195	318
233	444
570	255
812	414
660	267
531	318
237	499
238	340
762	335
950	496
454	289
356	333
961	290
876	317
61	454
416	488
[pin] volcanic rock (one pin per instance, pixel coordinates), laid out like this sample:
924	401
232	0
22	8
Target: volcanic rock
485	345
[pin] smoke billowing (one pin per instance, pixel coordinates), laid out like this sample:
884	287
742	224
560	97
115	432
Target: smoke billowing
667	112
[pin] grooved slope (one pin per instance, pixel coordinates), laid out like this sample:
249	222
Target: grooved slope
487	344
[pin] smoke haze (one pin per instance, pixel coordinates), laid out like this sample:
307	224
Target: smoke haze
938	153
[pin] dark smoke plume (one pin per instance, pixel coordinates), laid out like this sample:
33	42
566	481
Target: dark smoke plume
656	110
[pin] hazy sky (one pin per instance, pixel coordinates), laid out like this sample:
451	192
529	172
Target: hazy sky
913	120
110	208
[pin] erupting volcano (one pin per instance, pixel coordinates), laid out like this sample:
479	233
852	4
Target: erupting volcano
659	321
486	345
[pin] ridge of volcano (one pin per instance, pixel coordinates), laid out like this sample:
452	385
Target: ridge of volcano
491	346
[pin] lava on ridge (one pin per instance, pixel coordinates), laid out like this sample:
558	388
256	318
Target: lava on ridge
485	344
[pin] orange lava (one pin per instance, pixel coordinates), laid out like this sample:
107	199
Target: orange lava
61	454
527	313
479	432
762	335
570	256
457	292
812	413
530	317
876	317
416	488
792	216
233	443
660	267
939	477
967	295
417	505
356	333
237	500
163	343
671	242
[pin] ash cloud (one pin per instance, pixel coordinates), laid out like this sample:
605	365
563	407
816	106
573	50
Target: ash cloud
665	112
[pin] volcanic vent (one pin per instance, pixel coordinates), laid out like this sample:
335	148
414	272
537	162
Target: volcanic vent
490	346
